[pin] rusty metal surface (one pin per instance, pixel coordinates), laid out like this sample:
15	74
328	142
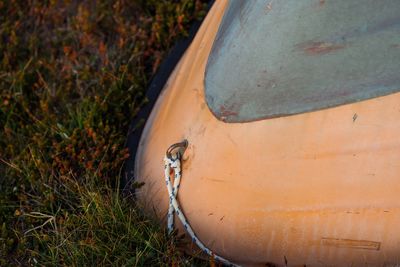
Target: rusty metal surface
278	58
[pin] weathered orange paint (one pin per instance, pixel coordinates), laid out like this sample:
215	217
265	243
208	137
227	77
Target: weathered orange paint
319	188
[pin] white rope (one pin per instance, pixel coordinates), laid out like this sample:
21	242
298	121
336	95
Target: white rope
173	161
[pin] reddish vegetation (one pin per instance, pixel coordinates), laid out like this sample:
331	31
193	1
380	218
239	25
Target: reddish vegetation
73	74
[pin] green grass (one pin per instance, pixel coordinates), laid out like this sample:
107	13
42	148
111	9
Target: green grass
72	76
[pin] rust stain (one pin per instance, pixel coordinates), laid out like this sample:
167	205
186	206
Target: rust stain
319	48
321	2
351	243
227	112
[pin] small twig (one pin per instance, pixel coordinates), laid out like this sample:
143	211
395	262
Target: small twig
11	165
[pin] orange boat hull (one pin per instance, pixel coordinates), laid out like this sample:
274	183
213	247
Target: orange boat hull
315	189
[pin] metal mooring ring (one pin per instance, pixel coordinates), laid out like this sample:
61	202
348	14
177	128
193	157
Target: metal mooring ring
182	145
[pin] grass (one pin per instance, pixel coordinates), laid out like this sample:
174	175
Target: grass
72	76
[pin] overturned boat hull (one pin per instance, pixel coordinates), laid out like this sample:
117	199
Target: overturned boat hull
313	189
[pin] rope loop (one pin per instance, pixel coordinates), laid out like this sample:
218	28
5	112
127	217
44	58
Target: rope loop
172	161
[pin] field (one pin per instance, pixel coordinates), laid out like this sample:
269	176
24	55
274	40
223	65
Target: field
72	77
